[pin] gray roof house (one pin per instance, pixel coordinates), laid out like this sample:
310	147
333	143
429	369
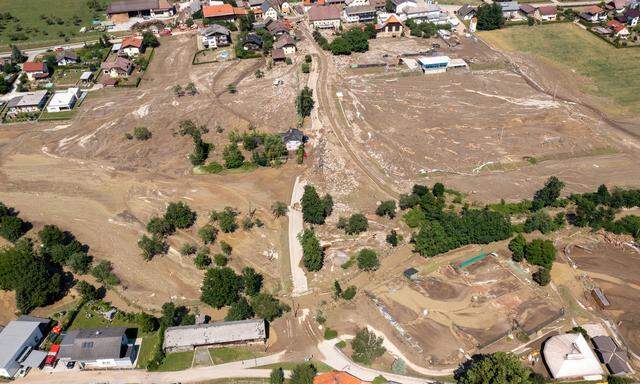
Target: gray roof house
187	337
98	348
18	339
610	354
293	138
509	8
28	102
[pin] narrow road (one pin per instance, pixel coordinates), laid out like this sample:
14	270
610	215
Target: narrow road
326	101
298	277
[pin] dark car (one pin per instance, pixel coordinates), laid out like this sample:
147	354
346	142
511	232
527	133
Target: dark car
71	364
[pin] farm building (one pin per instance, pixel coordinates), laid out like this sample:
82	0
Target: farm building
121	11
98	348
439	64
568	356
600	298
324	17
18	339
187	337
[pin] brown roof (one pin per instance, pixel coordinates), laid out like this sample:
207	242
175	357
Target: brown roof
34	66
528	9
131	41
335	377
119	63
328	12
283	41
218	10
593	10
132	6
278	54
548	10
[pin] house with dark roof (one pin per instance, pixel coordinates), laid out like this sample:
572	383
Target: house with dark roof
117	68
276	27
224	333
617	5
466	12
252	42
593	14
633	16
98	348
510	9
359	14
527	10
215	36
611	355
293	138
323	17
29	102
286	43
66	57
270	9
18	341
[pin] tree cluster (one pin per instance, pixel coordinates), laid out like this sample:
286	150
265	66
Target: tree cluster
537	252
366	346
490	17
12	227
495	368
315	209
313	254
304	102
354	40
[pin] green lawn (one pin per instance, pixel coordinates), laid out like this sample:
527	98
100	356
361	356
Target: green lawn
53	116
87	318
45	21
177	361
228	354
67	76
614	73
146	349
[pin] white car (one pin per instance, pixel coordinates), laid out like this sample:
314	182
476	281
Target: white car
277	82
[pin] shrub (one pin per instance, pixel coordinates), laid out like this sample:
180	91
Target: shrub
180	215
202	259
367	347
151	246
305	67
313	255
387	208
542	276
227	220
208	233
349	293
330	333
188	249
392	238
141	133
357	224
517	246
220	260
368	260
160	227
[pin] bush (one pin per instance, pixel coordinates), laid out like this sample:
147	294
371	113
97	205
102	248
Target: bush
542	276
392	238
220	260
161	227
208	233
517	246
305	67
279	209
226	248
188	249
387	208
103	272
227	220
233	158
330	333
267	307
357	224
213	167
202	259
368	260
349	293
180	215
313	255
308	58
151	246
141	133
367	347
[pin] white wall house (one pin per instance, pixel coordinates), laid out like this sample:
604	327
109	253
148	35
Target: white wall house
63	100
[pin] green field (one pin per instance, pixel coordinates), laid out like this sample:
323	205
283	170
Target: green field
45	22
229	354
146	350
614	72
178	361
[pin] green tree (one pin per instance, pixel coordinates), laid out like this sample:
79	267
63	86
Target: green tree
12	228
276	376
303	374
389	7
392	238
313	255
252	281
87	291
490	17
220	287
188	249
542	276
496	368
313	209
226	248
340	46
357	223
349	293
438	190
220	259
357	39
79	262
548	194
103	272
160	227
51	235
540	221
366	346
200	152
233	158
368	260
202	259
279	209
150	40
540	252
151	246
208	233
141	133
240	310
16	55
267	307
180	215
517	246
227	220
337	289
304	102
431	240
387	208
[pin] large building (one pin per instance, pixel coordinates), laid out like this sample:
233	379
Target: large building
17	342
121	11
569	356
98	348
324	17
63	100
27	103
187	337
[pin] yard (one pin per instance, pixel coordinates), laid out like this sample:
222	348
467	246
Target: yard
614	72
89	316
177	361
37	22
67	77
229	354
146	349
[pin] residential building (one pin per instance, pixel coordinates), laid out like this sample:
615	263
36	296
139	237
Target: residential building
594	14
336	377
35	70
277	54
293	138
286	43
618	30
379	5
617	5
422	12
117	68
276	27
633	16
252	42
122	11
568	356
98	348
269	9
27	103
215	36
323	17
18	340
131	46
66	57
611	355
510	9
391	27
546	13
222	12
359	14
356	3
63	100
527	10
226	333
434	64
466	12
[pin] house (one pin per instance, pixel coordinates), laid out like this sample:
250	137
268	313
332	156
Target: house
593	14
466	12
322	17
286	43
225	333
568	356
276	27
527	10
122	11
86	77
292	139
269	9
392	27
611	355
63	100
410	273
510	9
546	13
131	46
434	64
633	16
98	348
396	4
356	3
252	42
18	340
359	14
616	5
27	103
336	377
223	12
35	70
215	36
66	57
277	54
285	7
118	68
619	30
379	5
423	12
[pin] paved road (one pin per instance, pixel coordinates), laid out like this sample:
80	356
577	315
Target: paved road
239	369
298	276
335	358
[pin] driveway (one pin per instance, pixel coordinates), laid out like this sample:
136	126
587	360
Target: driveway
298	276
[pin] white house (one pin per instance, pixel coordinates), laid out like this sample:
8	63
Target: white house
359	14
18	339
66	58
510	9
131	46
355	3
546	13
270	10
569	356
216	36
594	14
63	100
323	17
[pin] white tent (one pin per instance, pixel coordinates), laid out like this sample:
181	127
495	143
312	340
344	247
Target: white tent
569	356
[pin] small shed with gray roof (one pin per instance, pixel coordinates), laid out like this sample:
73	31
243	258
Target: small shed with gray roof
187	337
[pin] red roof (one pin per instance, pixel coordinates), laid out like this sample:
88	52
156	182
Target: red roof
54	348
218	10
131	41
34	66
317	13
548	10
336	377
593	10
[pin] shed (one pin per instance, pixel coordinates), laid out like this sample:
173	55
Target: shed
410	273
600	298
187	337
